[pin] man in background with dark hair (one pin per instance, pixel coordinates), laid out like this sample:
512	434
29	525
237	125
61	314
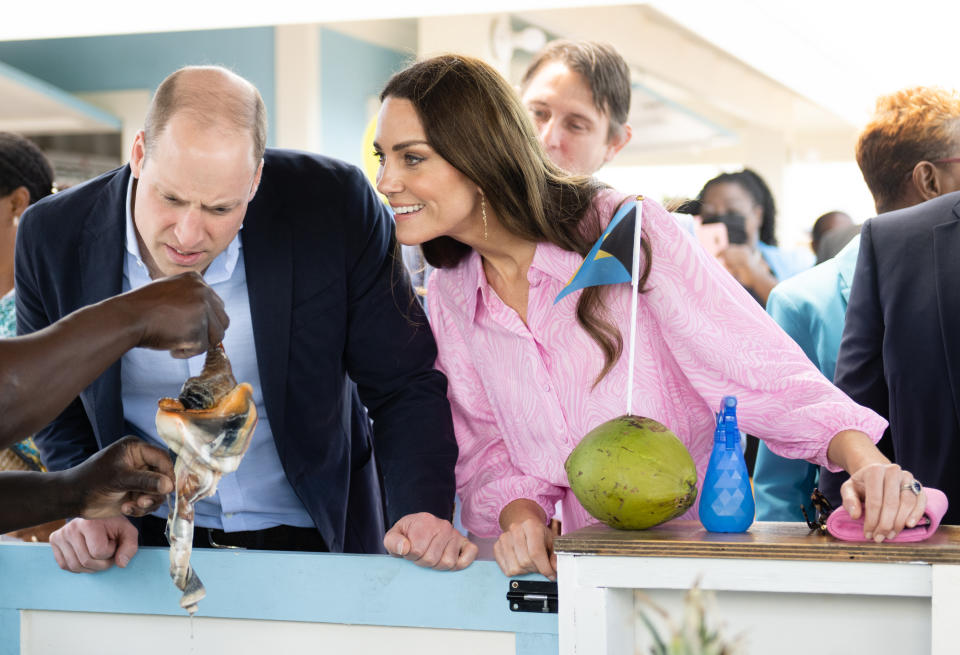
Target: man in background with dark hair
833	220
578	94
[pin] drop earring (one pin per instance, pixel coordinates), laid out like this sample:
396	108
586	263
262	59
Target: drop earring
483	214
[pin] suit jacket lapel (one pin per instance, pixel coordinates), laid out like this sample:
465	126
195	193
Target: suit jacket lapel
101	251
946	264
267	254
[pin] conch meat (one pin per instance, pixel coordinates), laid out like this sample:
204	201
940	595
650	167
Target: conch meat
209	427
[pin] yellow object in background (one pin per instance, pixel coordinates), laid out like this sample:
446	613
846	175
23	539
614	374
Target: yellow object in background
370	162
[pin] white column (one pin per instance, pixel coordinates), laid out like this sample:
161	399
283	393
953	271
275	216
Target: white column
944	608
129	106
593	620
297	74
465	35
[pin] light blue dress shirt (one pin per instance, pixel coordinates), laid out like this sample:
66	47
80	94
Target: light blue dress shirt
811	307
257	495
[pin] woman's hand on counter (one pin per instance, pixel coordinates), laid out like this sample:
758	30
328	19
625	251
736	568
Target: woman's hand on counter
879	491
431	542
526	544
881	494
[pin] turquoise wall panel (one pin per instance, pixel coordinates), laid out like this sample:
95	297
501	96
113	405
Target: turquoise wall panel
352	72
141	61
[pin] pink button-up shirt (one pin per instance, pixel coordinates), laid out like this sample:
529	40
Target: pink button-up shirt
522	395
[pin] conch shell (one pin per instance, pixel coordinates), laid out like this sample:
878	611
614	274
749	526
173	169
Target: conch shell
209	427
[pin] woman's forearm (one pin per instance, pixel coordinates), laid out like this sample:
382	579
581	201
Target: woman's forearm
519	510
852	450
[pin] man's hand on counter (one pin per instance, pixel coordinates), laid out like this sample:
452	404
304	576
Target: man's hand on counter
431	542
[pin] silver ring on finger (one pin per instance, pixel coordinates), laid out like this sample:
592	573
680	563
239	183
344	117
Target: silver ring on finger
913	486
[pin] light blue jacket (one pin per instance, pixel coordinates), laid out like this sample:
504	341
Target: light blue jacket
810	307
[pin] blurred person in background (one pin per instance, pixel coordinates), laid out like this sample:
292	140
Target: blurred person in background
742	201
900	153
824	224
26	176
578	95
741	206
835	240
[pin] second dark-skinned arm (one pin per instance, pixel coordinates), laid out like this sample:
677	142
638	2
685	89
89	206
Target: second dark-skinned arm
129	477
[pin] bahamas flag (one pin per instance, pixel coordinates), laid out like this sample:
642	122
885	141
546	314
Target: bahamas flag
611	258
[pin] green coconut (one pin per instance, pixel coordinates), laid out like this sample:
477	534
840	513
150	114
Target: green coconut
632	473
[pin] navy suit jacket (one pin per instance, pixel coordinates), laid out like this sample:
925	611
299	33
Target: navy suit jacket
900	351
330	301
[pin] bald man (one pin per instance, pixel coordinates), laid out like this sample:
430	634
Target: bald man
300	249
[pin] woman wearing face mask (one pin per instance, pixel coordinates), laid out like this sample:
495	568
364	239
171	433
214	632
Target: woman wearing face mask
506	229
743	199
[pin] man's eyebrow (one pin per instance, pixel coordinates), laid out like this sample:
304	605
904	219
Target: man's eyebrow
233	202
581	117
225	204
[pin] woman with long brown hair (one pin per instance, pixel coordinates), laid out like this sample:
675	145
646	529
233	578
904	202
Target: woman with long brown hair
461	166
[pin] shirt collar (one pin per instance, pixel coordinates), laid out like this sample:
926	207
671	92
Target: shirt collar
550	262
475	286
555	263
220	269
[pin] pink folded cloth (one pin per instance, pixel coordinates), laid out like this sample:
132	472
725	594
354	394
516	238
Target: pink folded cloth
841	526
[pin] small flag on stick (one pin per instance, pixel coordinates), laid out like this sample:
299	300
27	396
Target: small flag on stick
615	258
610	261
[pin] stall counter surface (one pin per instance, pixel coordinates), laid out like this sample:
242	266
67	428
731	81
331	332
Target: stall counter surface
780	586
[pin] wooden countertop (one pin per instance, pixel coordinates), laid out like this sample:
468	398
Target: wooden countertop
790	541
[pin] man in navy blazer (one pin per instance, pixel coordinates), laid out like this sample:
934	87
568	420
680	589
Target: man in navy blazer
900	352
316	297
899	153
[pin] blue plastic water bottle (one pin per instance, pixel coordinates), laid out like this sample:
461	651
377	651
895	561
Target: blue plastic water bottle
726	500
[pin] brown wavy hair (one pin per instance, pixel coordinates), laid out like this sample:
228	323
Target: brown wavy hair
474	119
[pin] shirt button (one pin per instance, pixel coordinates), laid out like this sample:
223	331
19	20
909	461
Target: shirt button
228	515
546	387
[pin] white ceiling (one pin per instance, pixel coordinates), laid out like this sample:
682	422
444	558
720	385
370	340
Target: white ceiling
704	70
838	54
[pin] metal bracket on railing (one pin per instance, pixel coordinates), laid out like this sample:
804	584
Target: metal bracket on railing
532	596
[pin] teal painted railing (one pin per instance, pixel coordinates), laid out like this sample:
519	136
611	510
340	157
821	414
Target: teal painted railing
305	587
